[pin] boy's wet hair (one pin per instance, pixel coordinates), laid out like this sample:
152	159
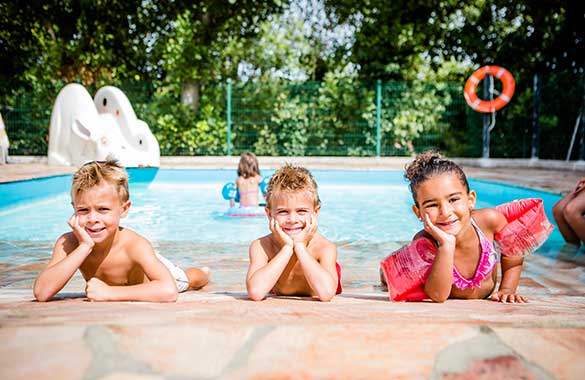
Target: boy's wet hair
94	173
429	164
291	179
248	166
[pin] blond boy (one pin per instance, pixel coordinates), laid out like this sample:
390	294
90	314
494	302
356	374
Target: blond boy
294	259
117	263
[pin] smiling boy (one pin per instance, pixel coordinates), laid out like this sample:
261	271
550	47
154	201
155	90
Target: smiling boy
294	259
117	263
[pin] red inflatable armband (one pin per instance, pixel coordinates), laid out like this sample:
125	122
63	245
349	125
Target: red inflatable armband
527	228
406	270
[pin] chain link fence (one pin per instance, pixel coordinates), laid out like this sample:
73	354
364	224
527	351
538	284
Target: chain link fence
344	117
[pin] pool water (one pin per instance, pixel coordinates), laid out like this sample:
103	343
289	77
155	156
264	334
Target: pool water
366	213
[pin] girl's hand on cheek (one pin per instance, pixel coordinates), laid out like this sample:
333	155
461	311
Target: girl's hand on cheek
439	235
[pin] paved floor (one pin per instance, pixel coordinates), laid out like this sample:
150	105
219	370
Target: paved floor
220	334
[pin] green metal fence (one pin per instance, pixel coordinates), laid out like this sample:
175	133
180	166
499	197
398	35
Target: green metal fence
355	119
344	117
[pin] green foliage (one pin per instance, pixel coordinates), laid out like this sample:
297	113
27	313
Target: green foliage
181	132
305	71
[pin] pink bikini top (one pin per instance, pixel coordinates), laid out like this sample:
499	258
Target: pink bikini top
488	259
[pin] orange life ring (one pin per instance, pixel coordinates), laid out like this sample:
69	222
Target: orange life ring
487	106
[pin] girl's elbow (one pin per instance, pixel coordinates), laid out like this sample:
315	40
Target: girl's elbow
437	297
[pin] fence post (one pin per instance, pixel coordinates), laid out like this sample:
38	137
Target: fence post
486	118
229	118
378	116
535	114
582	116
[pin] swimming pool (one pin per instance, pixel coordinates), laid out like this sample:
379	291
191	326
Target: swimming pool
366	213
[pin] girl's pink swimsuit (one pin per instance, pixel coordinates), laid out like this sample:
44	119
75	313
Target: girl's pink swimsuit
488	259
246	193
407	268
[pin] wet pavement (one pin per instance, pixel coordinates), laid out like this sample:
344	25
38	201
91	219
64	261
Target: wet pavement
218	333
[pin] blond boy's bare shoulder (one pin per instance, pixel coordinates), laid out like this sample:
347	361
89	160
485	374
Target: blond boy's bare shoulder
263	243
133	242
322	244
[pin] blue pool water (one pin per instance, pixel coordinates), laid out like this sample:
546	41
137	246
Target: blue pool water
366	213
186	205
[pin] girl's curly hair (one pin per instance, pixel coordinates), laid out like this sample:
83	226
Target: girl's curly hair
429	164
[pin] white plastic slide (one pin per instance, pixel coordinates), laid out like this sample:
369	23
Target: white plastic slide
83	129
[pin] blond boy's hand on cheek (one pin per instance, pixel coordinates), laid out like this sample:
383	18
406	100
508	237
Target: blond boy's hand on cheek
80	232
96	290
305	236
281	237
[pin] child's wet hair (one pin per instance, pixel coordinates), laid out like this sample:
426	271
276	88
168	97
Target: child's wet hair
94	173
248	166
429	164
291	179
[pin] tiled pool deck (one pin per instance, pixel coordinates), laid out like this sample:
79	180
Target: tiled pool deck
219	334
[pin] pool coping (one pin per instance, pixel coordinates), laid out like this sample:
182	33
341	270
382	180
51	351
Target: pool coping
546	175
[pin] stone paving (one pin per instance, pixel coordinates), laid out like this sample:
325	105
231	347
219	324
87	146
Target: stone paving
218	333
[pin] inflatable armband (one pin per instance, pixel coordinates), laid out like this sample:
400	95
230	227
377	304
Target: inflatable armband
229	191
406	270
527	228
264	184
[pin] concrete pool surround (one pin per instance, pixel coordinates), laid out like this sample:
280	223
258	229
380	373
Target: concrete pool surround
220	334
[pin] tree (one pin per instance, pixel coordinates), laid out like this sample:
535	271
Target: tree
193	48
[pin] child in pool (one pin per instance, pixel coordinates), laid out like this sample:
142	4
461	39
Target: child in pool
568	213
248	181
465	264
117	263
294	259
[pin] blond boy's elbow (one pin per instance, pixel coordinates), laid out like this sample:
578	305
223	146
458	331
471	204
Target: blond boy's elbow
170	294
328	295
256	297
437	297
255	294
41	296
